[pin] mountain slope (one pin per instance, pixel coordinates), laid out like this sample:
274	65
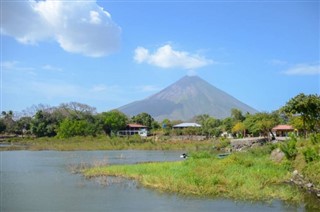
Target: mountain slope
186	98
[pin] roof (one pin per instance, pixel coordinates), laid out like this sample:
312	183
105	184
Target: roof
182	125
283	127
136	126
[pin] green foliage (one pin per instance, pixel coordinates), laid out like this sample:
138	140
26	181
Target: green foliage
227	124
261	123
44	124
2	126
238	176
289	148
144	119
211	126
308	106
70	128
236	114
311	171
191	131
315	138
221	143
7	122
311	154
23	125
113	121
262	150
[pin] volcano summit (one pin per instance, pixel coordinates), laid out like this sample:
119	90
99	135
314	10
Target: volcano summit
186	98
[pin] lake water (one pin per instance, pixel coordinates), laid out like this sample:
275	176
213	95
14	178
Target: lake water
43	181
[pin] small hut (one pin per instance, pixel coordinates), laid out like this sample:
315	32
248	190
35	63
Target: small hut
282	130
133	129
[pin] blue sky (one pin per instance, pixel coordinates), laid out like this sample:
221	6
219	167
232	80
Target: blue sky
110	53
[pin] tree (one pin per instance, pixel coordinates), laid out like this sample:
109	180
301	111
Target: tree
8	121
76	110
166	124
261	123
23	125
2	126
44	124
113	121
308	107
201	118
297	123
239	128
236	115
144	119
211	126
227	124
69	128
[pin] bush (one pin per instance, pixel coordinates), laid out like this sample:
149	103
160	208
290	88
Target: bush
70	128
290	148
315	138
221	143
311	154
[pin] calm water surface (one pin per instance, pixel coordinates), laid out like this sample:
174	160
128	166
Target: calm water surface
43	181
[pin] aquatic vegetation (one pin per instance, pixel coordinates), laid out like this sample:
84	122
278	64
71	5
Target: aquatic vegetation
238	176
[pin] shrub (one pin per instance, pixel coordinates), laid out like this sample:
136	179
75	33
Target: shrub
221	143
315	138
70	128
311	154
289	148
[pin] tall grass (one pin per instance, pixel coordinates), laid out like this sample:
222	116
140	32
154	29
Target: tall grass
239	176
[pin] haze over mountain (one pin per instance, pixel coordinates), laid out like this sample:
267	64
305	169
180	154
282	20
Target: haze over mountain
186	98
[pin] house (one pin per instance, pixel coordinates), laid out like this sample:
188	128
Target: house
282	130
186	125
134	129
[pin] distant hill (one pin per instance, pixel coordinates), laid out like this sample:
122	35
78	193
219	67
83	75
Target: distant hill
186	98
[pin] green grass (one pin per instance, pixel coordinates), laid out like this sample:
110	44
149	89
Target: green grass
242	176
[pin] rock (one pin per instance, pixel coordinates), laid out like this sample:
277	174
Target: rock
277	155
309	185
295	172
318	195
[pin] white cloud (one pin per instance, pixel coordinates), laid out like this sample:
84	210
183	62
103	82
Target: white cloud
78	26
167	57
8	65
15	66
303	69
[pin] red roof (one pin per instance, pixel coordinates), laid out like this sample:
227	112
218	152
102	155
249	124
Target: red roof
283	127
136	126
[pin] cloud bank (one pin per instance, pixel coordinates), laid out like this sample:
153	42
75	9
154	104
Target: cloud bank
80	27
167	57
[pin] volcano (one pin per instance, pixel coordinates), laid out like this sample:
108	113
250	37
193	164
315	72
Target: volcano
186	98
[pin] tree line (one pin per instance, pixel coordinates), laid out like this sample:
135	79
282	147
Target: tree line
76	119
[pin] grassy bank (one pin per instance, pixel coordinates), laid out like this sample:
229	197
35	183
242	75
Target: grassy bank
244	176
103	143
